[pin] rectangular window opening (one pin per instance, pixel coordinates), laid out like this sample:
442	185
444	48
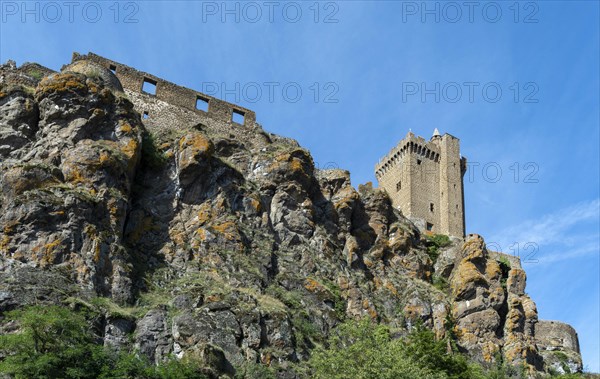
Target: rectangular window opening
149	86
418	161
113	68
202	103
431	208
398	186
429	226
238	117
145	115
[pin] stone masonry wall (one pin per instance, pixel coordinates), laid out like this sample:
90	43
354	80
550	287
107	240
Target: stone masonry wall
554	334
558	344
424	180
171	94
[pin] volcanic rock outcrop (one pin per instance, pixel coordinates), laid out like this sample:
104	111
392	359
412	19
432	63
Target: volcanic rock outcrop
209	238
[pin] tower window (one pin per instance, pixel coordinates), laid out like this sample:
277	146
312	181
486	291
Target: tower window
149	86
237	116
418	161
431	208
112	68
202	103
145	115
398	186
429	226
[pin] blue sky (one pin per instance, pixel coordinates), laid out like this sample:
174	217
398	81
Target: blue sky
368	71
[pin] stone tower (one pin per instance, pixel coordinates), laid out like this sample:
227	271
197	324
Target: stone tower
424	179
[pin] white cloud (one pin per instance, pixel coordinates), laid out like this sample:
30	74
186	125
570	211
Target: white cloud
589	248
560	235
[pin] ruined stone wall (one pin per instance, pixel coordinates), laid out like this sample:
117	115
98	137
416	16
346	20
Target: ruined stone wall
552	335
558	344
25	75
424	180
159	106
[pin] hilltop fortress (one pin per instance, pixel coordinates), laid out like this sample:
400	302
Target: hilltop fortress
424	179
248	230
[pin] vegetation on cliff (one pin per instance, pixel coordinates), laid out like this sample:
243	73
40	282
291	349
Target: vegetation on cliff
192	238
59	342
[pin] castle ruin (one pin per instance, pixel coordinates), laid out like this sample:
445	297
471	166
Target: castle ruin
424	179
162	102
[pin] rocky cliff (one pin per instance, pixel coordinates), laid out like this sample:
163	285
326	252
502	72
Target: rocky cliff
205	237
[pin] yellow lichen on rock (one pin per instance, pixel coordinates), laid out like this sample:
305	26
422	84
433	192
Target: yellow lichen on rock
49	253
390	287
205	213
313	286
465	278
10	227
125	127
61	82
228	230
492	270
4	243
97	250
194	149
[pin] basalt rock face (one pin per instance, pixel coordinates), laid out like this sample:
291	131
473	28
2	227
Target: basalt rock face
70	149
492	312
224	243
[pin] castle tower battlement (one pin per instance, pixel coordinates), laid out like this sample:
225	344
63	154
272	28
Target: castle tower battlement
424	179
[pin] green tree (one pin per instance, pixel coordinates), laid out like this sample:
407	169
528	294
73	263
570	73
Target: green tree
53	343
366	350
422	348
362	350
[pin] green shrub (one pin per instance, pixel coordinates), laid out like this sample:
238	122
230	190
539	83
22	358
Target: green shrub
362	350
53	343
434	242
292	299
504	263
254	371
440	283
504	268
338	300
366	350
152	156
423	349
56	342
306	332
36	74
